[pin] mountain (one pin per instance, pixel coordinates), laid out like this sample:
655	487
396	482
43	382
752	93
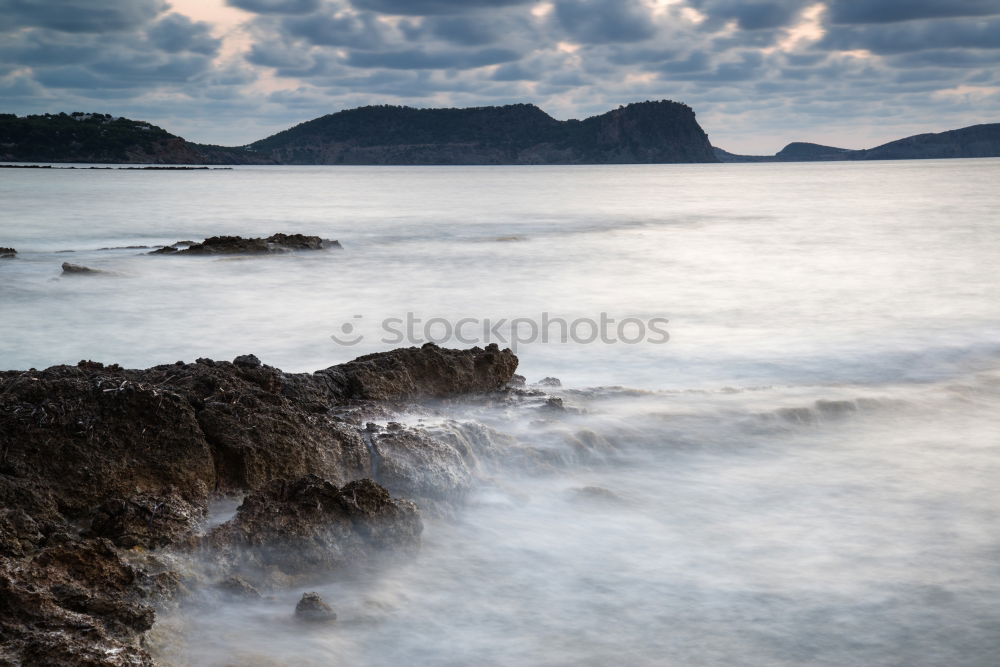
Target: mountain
974	141
102	138
646	132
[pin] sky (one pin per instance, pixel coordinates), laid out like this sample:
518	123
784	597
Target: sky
758	73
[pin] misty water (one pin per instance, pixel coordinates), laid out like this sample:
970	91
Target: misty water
805	473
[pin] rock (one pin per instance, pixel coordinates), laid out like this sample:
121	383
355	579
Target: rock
100	464
237	245
549	382
413	464
76	269
237	586
74	604
518	381
146	520
554	404
598	494
7	253
309	526
313	609
247	361
425	372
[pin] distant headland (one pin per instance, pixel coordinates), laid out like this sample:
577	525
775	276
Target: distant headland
646	132
641	133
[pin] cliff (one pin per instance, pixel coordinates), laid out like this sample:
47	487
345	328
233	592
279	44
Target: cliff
647	132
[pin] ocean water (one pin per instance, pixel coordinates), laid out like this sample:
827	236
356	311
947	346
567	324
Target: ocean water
802	471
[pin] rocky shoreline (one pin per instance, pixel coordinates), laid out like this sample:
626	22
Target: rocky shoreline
106	475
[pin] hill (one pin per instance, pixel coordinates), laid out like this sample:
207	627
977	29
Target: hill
646	132
974	141
102	138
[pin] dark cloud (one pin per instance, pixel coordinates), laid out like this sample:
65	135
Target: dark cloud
276	6
456	59
80	15
353	30
605	21
916	36
751	15
889	11
175	33
430	7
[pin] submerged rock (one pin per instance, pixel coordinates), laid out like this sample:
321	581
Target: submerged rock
313	609
237	245
77	269
7	253
237	586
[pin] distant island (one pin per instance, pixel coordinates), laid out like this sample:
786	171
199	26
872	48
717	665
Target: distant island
974	141
646	132
640	133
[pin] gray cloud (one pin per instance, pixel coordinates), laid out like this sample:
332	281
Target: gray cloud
753	15
175	33
358	30
276	6
79	15
428	7
605	21
889	11
431	59
916	36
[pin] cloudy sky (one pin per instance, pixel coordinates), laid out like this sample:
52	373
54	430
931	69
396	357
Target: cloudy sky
759	73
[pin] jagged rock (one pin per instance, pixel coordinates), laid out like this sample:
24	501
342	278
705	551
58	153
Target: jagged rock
7	253
146	520
309	526
73	604
237	245
313	609
425	372
77	269
132	457
549	382
246	361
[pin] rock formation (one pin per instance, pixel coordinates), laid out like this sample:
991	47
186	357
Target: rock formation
237	245
99	464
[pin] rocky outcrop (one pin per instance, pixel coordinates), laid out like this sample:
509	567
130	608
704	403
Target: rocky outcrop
7	253
100	463
237	245
309	527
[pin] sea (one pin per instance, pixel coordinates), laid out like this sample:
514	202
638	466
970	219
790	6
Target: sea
791	373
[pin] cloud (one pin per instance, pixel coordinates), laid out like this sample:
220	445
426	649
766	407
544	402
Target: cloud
430	7
276	6
97	16
916	36
889	11
753	15
456	59
605	21
175	33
